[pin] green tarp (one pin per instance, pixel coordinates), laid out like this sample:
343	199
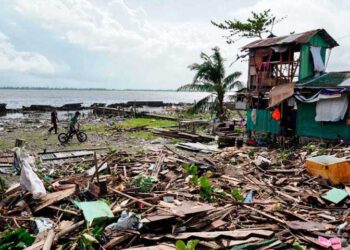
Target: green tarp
94	210
264	122
308	127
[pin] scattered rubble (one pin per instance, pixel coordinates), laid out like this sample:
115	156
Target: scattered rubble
235	198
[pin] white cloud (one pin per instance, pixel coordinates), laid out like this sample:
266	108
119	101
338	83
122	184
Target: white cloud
22	61
111	27
152	52
152	42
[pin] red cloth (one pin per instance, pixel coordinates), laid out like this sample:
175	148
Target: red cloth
276	114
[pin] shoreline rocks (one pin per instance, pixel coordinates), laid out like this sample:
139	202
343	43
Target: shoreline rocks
79	106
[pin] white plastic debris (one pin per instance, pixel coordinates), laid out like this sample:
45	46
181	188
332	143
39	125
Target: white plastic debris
43	224
127	220
341	227
262	161
29	180
92	170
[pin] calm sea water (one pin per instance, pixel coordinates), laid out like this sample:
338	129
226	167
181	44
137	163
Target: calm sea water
16	98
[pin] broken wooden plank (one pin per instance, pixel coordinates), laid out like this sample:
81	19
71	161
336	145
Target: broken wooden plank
51	198
49	240
236	234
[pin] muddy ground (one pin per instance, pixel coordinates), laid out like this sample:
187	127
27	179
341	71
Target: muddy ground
102	132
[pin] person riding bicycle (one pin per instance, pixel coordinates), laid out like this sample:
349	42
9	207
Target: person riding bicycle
73	122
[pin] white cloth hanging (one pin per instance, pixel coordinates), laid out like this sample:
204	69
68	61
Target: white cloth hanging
318	62
331	110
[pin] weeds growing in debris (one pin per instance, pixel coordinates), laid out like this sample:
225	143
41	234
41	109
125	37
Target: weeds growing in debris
148	122
18	239
2	185
145	184
81	167
283	155
236	194
191	245
141	135
192	169
297	246
251	154
207	190
86	241
318	149
111	149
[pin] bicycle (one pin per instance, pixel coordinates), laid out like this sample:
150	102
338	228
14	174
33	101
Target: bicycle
65	137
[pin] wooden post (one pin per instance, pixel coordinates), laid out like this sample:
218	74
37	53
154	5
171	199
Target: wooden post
96	168
20	143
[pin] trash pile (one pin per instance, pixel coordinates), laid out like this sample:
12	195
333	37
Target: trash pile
236	198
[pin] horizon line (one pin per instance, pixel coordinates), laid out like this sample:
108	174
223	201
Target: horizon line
66	88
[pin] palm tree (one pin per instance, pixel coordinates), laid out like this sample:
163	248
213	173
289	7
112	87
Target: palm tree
210	77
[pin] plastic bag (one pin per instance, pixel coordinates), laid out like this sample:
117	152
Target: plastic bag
127	220
43	224
29	180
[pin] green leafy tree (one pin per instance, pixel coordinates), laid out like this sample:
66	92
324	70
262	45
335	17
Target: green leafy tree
210	77
257	25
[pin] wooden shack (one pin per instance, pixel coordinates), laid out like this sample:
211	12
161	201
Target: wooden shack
275	65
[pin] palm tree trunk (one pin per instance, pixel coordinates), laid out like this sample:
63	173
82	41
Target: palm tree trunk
220	111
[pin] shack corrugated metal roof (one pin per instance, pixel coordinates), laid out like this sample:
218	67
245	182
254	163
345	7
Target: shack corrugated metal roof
328	80
293	38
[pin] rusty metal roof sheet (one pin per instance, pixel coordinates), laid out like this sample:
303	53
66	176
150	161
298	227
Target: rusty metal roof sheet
294	38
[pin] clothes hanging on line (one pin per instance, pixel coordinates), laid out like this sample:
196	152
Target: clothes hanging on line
276	114
318	61
322	94
331	110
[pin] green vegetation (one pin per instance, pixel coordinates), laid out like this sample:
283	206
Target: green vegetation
256	26
296	245
87	241
192	169
18	239
206	190
3	185
145	184
100	129
210	77
147	122
283	155
202	115
5	144
146	135
236	194
191	245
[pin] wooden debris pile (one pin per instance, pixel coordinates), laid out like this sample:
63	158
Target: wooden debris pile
185	135
247	198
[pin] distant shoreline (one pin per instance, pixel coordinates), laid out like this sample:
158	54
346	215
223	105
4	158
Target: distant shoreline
89	89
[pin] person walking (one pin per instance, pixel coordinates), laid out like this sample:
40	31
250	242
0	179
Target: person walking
54	120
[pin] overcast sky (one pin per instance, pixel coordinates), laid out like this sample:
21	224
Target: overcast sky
141	44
